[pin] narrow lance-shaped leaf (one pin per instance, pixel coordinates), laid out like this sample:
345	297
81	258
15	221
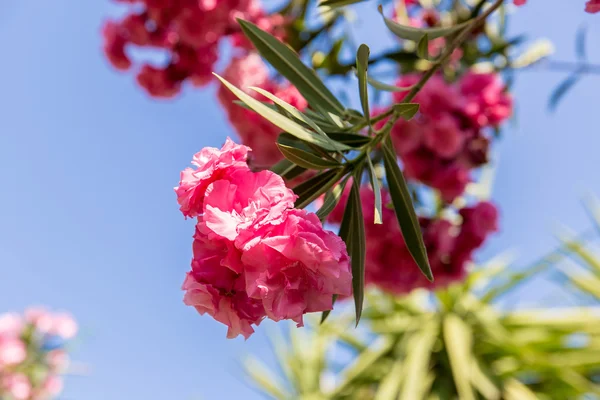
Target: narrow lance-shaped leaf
356	244
405	212
305	159
283	122
385	86
377	192
423	47
332	198
406	110
287	62
338	3
415	34
317	185
458	340
362	66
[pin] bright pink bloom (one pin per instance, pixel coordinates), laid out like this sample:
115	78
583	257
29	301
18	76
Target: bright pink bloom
17	386
487	103
296	267
12	351
237	203
253	130
520	2
592	6
444	137
211	164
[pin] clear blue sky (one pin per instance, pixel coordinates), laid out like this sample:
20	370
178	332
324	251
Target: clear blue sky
89	222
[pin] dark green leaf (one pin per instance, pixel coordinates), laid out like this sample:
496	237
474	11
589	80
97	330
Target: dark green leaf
353	228
415	34
332	198
306	159
287	63
350	139
338	3
326	313
362	66
405	212
317	185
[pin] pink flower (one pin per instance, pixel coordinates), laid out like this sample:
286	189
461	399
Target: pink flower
52	386
592	6
40	318
64	325
216	286
520	2
296	267
233	205
11	325
444	137
12	351
212	164
253	130
486	101
57	360
17	386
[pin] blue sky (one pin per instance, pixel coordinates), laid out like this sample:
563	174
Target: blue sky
90	223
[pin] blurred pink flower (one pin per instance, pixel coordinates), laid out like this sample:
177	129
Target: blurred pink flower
11	324
592	6
58	361
12	351
64	325
17	386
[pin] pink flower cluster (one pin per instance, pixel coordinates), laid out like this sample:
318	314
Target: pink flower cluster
31	361
389	265
255	131
188	32
447	139
254	255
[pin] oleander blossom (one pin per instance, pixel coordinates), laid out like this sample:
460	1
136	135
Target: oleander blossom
254	131
449	136
186	32
254	255
32	355
390	266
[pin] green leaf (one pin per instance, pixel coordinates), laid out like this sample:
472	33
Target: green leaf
326	313
406	110
317	185
420	345
458	340
282	167
362	66
350	139
357	245
387	87
332	198
338	3
283	122
306	159
377	192
288	64
407	218
423	47
416	34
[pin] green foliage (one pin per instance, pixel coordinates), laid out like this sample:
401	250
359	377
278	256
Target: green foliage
452	344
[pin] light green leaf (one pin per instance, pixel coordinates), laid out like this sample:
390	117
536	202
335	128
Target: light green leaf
306	159
405	212
419	348
377	192
362	66
458	340
387	87
287	62
416	34
406	110
423	47
283	122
